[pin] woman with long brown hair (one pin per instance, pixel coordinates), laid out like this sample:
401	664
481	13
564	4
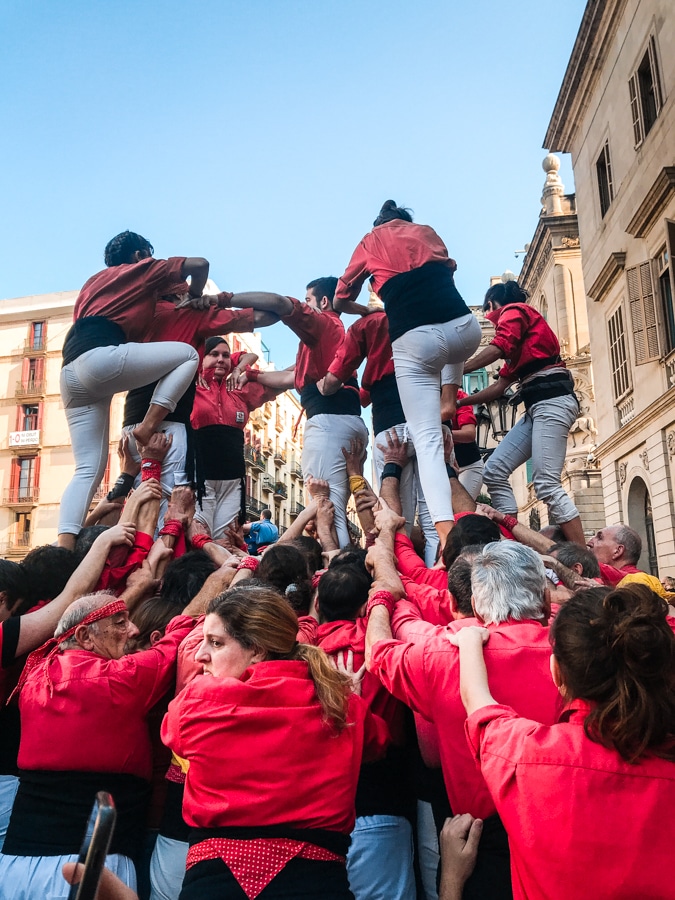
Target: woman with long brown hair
274	738
585	802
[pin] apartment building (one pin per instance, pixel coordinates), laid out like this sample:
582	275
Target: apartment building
36	461
615	116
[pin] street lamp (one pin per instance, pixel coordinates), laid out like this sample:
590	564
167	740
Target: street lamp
483	428
502	415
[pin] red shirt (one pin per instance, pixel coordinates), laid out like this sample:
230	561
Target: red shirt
260	752
389	250
127	294
321	335
425	675
582	822
611	576
193	326
465	415
367	338
94	721
339	637
523	336
215	405
432	604
410	565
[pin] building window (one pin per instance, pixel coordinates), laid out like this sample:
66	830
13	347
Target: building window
37	335
617	354
543	307
666	277
603	169
643	312
475	381
29	418
646	96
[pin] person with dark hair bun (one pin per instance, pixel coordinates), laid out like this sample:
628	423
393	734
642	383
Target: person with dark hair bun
431	331
532	358
107	351
602	780
285	568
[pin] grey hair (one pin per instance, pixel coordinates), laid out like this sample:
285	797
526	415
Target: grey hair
77	611
508	581
631	542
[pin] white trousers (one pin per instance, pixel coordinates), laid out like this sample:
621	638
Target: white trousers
173	465
325	436
471	478
220	506
88	385
40	877
419	357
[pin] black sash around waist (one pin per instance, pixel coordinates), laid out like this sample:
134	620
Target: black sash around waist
345	402
467	454
423	296
51	811
545	388
173	824
220	452
89	333
387	409
139	399
333	841
534	365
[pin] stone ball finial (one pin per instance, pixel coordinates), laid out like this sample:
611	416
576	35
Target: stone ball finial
551	163
508	276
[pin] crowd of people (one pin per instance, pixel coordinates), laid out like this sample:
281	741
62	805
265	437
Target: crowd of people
463	708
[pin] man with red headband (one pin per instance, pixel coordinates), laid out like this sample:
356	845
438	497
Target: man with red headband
83	707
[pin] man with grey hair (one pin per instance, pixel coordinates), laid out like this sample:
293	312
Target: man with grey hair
618	549
83	706
509	599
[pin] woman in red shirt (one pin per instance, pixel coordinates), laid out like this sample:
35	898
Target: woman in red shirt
532	358
586	802
219	417
104	353
430	328
274	740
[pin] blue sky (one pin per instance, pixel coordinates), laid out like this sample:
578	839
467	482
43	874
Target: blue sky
265	134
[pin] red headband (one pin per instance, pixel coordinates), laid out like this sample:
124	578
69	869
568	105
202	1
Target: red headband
50	648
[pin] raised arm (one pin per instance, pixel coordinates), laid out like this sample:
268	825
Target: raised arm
491	392
263	301
483	358
196	268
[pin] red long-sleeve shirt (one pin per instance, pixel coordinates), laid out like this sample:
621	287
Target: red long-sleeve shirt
128	294
215	405
193	326
523	336
260	752
321	335
581	821
367	338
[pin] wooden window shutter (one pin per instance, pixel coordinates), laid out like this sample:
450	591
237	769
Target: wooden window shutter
643	312
636	113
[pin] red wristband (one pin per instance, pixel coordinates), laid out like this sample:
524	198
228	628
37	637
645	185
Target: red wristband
172	528
381	598
249	562
252	374
316	578
509	522
199	540
151	468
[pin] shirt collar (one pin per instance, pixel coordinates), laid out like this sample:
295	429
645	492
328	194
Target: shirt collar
575	712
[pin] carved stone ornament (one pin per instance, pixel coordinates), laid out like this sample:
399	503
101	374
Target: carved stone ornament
671	444
569	241
623	469
644	459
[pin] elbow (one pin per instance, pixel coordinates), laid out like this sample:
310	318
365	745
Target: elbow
340	304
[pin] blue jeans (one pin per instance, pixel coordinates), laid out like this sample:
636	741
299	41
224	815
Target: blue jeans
380	859
542	435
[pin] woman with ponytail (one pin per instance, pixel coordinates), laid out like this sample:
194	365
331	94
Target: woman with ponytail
532	358
586	802
430	327
274	738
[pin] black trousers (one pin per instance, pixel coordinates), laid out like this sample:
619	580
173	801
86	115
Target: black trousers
301	879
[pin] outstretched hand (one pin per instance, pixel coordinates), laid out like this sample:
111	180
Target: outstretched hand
386	519
354	456
344	663
396	450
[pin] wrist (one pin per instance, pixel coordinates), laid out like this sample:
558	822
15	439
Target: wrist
249	562
224	299
150	468
392	470
508	521
381	598
252	374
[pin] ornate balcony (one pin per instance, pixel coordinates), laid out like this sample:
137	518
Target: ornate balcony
280	491
296	509
254	457
254	507
30	388
34	347
21	496
296	470
280	457
267	483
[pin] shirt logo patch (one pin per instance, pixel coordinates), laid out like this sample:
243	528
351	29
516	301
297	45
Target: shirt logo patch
239	417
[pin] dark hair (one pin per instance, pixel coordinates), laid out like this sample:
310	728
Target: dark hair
184	577
459	578
631	542
342	592
14	584
85	539
311	550
266	513
391	211
153	614
48	569
212	342
121	248
505	292
350	556
471	529
553	533
569	554
259	619
616	651
285	568
323	287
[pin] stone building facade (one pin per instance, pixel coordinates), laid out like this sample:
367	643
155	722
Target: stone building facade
36	461
615	115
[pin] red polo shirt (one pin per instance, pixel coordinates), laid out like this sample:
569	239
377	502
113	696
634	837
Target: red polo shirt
92	718
321	335
425	675
260	752
367	338
410	565
389	250
611	576
523	336
193	326
127	294
582	822
215	405
432	605
465	415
